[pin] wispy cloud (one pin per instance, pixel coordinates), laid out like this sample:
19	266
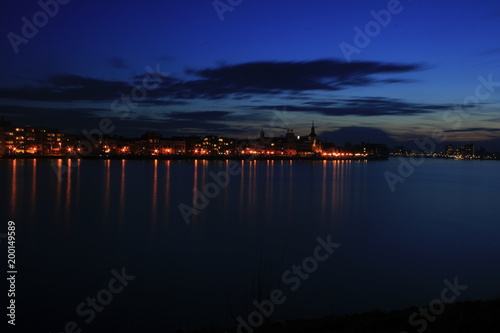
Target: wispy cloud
199	115
475	129
367	106
64	88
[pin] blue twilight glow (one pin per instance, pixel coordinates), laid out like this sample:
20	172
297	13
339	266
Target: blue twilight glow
65	65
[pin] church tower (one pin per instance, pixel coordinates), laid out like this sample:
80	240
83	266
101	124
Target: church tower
312	136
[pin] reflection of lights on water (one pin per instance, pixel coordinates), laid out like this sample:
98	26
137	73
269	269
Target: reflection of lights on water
343	155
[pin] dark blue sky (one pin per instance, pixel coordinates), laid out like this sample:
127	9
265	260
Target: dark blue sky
408	77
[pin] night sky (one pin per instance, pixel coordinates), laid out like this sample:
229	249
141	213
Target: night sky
232	67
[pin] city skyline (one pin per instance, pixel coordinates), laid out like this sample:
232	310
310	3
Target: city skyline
392	71
32	142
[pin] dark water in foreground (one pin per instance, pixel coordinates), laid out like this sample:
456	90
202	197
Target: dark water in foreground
396	247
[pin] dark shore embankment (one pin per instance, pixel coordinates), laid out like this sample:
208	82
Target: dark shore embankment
470	317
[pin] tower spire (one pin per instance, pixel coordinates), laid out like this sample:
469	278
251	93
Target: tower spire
313	132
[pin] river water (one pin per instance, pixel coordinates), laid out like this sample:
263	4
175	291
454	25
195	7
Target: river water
201	260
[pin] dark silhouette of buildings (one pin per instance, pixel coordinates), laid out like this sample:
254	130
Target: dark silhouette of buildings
32	141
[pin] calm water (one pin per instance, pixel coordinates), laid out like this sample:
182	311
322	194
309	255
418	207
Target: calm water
396	247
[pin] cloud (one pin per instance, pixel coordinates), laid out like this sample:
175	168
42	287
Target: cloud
241	81
74	120
117	62
161	102
320	103
63	88
273	77
302	84
474	129
48	112
181	127
356	134
199	115
53	117
366	106
151	80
